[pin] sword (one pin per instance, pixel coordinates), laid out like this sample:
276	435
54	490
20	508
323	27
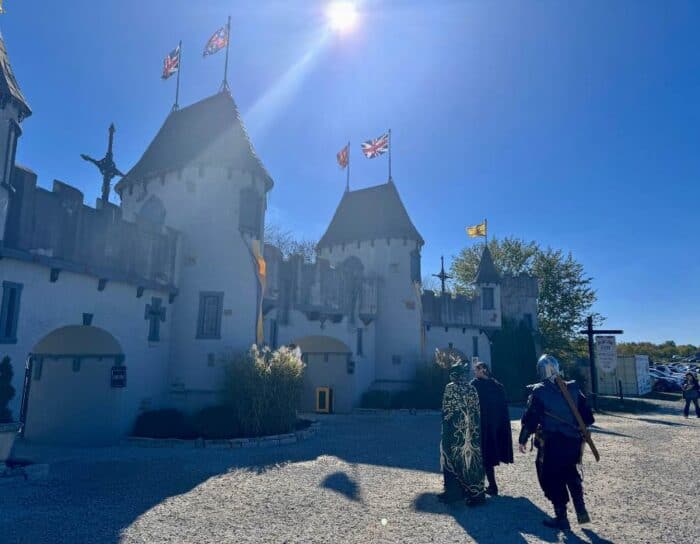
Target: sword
585	433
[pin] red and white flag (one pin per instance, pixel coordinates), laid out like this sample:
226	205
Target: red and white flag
376	147
171	63
343	156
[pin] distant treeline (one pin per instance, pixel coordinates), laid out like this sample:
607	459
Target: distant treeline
657	352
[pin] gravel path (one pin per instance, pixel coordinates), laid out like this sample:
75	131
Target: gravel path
340	485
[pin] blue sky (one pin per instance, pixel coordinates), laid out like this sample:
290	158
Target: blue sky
574	124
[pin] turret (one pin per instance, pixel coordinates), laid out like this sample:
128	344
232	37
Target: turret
13	110
201	176
488	284
372	225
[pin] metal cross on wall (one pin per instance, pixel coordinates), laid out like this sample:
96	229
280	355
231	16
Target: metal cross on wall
107	167
155	313
442	276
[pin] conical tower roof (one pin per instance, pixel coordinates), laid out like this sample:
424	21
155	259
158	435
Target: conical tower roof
9	88
370	214
487	271
191	132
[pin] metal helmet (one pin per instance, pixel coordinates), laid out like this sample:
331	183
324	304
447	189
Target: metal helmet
547	367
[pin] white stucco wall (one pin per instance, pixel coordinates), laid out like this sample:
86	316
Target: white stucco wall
438	338
397	327
214	256
353	385
46	306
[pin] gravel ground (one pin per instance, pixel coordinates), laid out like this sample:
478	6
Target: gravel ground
363	478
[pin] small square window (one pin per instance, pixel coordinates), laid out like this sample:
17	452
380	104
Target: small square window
475	346
209	319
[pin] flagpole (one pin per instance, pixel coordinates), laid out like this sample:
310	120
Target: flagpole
390	180
347	180
486	232
176	106
228	42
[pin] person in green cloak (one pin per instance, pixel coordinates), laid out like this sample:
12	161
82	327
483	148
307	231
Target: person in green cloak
460	445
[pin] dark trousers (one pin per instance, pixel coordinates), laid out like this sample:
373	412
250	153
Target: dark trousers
686	410
490	476
558	481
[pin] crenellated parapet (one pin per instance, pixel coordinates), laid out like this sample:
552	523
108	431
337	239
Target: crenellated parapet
319	290
446	310
57	229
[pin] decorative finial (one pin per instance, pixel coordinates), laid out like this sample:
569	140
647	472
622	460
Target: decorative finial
442	276
106	166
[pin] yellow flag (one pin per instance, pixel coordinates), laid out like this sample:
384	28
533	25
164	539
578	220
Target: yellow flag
477	230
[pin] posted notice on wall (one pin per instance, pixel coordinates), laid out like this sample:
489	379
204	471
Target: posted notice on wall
606	353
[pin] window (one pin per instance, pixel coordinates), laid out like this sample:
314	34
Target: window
475	346
273	333
10	312
209	320
358	348
415	266
487	298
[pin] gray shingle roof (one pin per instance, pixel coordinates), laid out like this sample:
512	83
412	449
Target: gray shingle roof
370	214
487	272
9	88
189	132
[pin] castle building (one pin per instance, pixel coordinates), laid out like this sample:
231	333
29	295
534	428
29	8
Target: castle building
113	310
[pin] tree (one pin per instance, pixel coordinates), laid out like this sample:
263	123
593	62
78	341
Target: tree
513	358
288	244
566	296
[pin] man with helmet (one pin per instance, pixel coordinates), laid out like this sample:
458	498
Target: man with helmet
558	440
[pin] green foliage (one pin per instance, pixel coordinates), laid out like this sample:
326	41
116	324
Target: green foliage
657	352
7	392
426	393
166	423
264	389
514	358
566	296
216	422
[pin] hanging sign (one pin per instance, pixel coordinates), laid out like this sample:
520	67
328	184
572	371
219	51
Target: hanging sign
606	353
118	376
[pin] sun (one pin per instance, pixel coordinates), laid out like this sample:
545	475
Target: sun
342	16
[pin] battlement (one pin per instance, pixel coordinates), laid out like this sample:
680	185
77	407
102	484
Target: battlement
445	310
318	289
57	229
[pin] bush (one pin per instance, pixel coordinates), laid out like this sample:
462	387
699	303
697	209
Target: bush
7	392
216	422
264	389
166	423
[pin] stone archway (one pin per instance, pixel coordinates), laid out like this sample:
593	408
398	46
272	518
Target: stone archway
328	364
69	396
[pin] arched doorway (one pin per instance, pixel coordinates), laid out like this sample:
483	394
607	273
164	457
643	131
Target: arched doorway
329	366
74	388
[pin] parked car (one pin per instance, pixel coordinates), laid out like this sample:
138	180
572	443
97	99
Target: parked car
665	384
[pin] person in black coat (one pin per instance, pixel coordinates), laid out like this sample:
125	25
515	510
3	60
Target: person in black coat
691	393
559	441
496	438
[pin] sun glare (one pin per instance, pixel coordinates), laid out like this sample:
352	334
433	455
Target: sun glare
342	16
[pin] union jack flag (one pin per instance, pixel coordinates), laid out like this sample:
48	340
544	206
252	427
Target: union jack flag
376	147
217	42
343	156
171	63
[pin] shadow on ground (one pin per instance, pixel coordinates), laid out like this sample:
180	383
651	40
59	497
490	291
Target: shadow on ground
488	523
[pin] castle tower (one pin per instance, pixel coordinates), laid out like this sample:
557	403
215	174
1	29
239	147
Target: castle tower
372	224
13	110
201	176
488	284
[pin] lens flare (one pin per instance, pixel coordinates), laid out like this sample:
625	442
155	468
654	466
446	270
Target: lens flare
342	16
